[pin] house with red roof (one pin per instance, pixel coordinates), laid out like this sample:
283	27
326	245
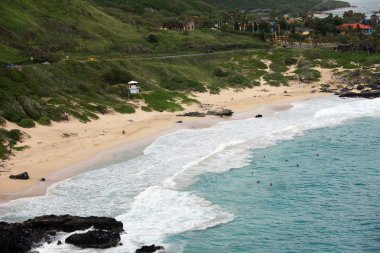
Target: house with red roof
365	29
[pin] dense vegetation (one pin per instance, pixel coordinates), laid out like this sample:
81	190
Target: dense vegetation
124	42
8	142
290	6
53	29
85	89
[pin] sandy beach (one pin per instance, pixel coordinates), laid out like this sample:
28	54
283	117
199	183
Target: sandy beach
65	149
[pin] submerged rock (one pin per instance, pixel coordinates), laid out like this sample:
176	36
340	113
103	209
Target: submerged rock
94	239
20	237
22	176
149	249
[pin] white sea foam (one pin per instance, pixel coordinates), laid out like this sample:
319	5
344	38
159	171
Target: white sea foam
148	193
158	212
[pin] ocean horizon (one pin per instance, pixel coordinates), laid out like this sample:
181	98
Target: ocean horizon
359	6
197	190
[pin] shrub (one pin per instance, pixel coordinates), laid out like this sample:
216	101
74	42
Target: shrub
220	73
2	121
31	107
12	111
278	67
102	109
81	117
26	123
116	75
14	134
258	64
161	100
4	152
3	134
238	80
330	64
308	75
146	109
45	121
182	84
214	89
152	38
57	113
21	148
125	109
290	61
91	115
255	83
256	75
276	79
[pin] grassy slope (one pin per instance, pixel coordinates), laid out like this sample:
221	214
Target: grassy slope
53	29
279	5
114	30
86	89
36	28
46	28
176	7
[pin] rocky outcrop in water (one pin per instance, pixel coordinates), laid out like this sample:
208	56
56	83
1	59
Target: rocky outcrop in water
360	83
149	249
15	238
22	176
368	94
21	237
94	239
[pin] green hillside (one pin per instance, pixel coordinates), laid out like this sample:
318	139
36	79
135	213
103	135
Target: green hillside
291	6
56	28
117	35
123	39
171	7
53	29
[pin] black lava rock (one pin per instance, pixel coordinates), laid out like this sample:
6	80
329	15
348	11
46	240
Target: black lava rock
20	237
221	113
149	249
99	239
192	114
373	94
22	176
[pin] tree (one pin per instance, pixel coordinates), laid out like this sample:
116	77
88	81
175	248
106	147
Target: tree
264	27
352	17
152	38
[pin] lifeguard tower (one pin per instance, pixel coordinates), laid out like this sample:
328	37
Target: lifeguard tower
134	87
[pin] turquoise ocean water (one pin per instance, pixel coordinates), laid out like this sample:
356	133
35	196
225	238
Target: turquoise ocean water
330	202
197	190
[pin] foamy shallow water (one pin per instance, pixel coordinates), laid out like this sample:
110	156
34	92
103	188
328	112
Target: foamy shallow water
148	193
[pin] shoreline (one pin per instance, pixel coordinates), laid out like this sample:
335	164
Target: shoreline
101	142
